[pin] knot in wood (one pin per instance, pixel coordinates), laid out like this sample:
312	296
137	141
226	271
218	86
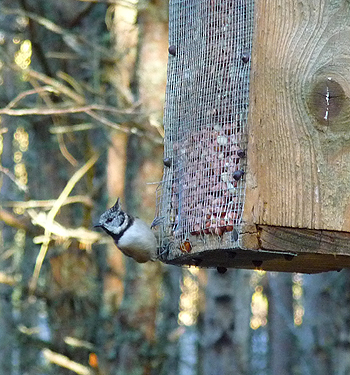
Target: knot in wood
326	100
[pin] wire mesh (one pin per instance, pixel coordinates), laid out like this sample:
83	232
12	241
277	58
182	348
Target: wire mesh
202	193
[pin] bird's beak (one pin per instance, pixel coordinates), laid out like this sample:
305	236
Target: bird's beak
97	226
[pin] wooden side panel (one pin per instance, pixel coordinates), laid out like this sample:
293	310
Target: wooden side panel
298	171
281	249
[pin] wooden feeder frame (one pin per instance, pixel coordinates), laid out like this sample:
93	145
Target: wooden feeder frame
296	211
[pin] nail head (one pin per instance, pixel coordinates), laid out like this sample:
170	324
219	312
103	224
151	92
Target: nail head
172	50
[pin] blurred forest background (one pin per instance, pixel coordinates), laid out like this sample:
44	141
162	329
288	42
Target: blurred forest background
82	87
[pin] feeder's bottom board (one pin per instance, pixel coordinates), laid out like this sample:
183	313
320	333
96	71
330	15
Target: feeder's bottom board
262	260
280	249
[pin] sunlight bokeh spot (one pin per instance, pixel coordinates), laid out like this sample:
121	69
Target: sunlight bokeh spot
298	294
259	308
24	54
189	298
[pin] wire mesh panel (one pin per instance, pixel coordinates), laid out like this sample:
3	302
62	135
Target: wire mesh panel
201	198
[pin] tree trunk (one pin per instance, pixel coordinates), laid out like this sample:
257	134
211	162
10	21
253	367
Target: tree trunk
7	323
324	340
281	324
226	325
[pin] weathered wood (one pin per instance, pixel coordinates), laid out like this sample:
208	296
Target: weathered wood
303	263
277	249
299	116
304	240
297	205
299	133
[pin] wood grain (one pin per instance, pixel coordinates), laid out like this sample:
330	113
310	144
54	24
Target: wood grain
271	248
297	207
299	122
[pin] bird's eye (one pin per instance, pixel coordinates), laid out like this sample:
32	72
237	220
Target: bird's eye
109	220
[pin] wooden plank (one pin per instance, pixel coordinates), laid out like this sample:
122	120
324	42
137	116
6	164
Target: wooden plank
298	171
303	263
297	207
282	249
304	240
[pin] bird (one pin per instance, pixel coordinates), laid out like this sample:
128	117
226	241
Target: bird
132	236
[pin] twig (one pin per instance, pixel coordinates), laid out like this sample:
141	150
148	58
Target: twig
62	56
72	128
8	280
105	121
73	341
44	111
13	178
39	19
53	212
64	150
100	1
71	81
29	92
57	231
115	126
125	3
74	41
14	222
89	110
59	86
56	119
49	203
63	361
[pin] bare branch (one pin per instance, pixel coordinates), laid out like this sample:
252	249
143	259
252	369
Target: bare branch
71	81
59	86
44	111
53	212
49	203
77	343
62	56
57	231
133	130
56	120
107	122
89	110
75	42
125	3
24	94
100	1
64	150
63	361
8	280
72	128
13	178
11	220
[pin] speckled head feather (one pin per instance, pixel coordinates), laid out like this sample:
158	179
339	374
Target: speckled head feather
131	235
115	221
